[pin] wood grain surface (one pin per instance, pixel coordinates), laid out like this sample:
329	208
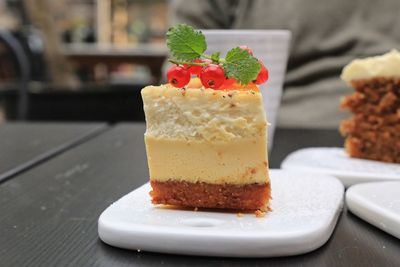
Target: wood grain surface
23	145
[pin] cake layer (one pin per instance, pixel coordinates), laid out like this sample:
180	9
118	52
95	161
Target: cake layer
243	161
204	195
359	103
203	114
373	132
380	149
387	65
375	87
378	125
377	96
372	137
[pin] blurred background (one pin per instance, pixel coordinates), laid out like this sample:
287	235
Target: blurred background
79	60
86	60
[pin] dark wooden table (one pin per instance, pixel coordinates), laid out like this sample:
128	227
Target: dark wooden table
49	213
23	145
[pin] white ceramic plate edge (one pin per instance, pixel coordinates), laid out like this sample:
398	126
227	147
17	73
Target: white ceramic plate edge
348	178
255	247
370	212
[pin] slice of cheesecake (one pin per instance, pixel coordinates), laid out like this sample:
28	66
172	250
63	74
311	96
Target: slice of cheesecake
207	148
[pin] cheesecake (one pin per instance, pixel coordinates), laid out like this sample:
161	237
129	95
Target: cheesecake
207	148
373	130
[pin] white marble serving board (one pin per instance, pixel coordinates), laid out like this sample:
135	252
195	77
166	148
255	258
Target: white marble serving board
305	211
377	203
334	161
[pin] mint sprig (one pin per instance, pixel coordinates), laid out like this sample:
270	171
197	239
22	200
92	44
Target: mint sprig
240	65
187	44
215	57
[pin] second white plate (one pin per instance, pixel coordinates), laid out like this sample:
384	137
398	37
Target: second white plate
335	161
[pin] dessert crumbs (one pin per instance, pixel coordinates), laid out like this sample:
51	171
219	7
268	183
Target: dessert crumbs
239	215
259	213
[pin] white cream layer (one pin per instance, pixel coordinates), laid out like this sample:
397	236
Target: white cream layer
203	114
387	65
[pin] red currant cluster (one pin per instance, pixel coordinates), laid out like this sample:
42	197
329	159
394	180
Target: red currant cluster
211	75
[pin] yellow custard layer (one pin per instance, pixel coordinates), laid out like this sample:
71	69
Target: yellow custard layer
240	162
205	135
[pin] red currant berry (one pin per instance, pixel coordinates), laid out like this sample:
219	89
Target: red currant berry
212	76
228	83
196	70
178	76
262	75
246	48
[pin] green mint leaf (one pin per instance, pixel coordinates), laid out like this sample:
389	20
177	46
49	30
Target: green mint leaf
215	56
241	66
185	42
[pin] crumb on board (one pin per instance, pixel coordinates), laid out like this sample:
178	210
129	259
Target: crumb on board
240	215
259	213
